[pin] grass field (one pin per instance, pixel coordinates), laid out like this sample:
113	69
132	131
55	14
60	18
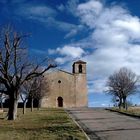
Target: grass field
45	124
131	110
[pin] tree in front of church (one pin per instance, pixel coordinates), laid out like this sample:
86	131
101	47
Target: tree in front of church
16	68
122	84
34	90
31	90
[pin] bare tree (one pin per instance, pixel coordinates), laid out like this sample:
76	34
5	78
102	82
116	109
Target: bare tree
45	90
33	89
121	84
42	89
35	92
28	91
15	69
24	93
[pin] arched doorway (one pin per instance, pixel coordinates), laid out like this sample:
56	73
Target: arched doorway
60	101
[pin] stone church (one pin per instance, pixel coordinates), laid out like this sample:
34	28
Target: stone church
66	89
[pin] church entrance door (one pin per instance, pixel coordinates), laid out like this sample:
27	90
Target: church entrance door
60	101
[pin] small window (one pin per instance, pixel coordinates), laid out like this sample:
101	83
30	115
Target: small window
80	68
59	81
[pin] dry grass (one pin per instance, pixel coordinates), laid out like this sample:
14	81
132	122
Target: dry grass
130	110
46	124
134	110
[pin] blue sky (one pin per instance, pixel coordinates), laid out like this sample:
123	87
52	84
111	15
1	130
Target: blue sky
105	33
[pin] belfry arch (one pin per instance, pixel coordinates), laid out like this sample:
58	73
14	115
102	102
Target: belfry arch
80	68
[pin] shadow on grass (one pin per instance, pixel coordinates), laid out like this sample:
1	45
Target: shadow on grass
62	132
53	129
61	110
54	120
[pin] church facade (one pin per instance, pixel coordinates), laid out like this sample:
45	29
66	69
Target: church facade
66	89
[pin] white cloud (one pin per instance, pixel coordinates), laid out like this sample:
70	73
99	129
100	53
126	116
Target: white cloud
132	25
68	53
89	11
71	51
120	28
96	86
61	60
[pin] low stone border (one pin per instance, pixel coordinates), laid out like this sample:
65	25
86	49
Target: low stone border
124	113
77	124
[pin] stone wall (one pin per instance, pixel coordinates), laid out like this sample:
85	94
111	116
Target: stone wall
64	89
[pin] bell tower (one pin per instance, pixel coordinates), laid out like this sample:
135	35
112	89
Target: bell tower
79	67
79	71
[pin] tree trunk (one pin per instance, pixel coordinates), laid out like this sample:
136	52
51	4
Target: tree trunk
24	107
32	104
124	103
13	105
38	106
1	105
120	103
126	106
